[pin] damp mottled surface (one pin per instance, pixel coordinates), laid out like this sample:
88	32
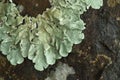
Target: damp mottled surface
98	54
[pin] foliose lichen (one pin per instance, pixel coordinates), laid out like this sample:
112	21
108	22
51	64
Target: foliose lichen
45	38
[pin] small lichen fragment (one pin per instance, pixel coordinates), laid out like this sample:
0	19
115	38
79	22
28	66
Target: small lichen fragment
61	72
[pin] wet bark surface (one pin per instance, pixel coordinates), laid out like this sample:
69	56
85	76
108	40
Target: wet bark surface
96	58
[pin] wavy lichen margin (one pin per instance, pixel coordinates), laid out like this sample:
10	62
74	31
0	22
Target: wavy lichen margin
44	38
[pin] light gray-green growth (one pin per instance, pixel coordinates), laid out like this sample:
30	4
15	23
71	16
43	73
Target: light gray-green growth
44	38
61	72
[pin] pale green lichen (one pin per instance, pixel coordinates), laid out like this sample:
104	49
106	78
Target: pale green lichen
44	38
61	72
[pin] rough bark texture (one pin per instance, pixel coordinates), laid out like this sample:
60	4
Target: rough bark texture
96	58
